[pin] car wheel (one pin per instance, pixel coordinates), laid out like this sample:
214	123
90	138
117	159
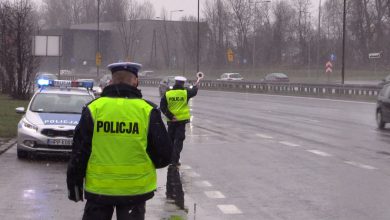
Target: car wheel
22	154
379	120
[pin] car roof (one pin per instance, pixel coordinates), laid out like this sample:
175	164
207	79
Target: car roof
57	90
277	74
231	73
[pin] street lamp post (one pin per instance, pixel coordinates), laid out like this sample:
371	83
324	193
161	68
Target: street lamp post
254	34
170	18
318	39
198	42
98	38
343	56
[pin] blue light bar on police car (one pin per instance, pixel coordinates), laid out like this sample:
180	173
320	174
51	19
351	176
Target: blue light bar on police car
66	83
43	82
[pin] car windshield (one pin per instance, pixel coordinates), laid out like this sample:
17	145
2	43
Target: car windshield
235	75
281	75
59	103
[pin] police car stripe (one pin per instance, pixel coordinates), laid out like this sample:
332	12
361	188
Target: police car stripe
59	119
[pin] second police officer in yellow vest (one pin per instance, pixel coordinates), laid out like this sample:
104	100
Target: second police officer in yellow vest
118	144
174	105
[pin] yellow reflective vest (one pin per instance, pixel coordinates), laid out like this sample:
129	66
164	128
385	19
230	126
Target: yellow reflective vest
119	164
178	104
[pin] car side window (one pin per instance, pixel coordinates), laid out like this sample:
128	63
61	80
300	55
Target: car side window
385	91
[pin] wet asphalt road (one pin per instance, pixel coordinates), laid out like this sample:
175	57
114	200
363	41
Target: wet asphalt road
246	156
275	157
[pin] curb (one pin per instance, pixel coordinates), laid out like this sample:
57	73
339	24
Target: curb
8	145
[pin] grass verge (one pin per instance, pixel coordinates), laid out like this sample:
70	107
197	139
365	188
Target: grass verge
8	117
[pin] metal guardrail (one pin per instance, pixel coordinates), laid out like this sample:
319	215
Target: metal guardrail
367	92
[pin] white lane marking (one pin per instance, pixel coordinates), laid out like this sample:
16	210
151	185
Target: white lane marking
214	194
360	165
193	174
289	144
229	209
381	133
185	167
203	183
321	153
312	120
300	97
264	136
201	135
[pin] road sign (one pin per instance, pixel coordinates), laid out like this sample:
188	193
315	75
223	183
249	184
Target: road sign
329	67
332	57
230	55
98	59
374	55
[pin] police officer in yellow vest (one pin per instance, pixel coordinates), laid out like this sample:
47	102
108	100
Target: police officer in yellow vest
174	105
118	144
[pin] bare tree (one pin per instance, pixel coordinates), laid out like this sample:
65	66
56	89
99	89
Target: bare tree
241	24
129	28
164	37
282	31
18	25
147	10
26	63
217	17
7	51
115	10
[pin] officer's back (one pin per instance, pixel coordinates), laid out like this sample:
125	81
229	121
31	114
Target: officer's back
118	143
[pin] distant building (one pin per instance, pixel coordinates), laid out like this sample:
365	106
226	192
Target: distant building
157	44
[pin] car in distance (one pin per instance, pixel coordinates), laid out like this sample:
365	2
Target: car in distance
276	77
97	90
385	81
167	83
105	80
48	123
383	107
146	74
231	77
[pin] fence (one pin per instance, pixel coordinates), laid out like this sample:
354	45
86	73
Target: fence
365	92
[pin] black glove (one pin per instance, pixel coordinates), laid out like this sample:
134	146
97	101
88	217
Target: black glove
75	194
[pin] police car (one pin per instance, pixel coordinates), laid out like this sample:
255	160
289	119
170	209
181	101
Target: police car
50	119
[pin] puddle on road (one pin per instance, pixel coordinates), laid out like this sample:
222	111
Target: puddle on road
384	153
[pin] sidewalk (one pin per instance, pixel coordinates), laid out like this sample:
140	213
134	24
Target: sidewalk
6	143
159	208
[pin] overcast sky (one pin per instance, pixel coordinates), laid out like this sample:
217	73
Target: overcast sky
191	6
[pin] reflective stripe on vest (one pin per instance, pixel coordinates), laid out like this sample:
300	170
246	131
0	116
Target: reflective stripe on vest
119	164
177	104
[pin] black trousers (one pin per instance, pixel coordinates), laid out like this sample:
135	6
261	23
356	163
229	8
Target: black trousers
100	211
177	133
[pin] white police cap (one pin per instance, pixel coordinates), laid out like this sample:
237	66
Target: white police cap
180	78
126	66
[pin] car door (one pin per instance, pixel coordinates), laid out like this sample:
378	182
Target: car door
384	100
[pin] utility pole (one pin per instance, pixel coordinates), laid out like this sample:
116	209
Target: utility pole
98	39
343	56
254	34
198	42
318	39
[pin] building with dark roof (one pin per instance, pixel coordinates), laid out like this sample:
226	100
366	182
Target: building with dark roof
157	44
